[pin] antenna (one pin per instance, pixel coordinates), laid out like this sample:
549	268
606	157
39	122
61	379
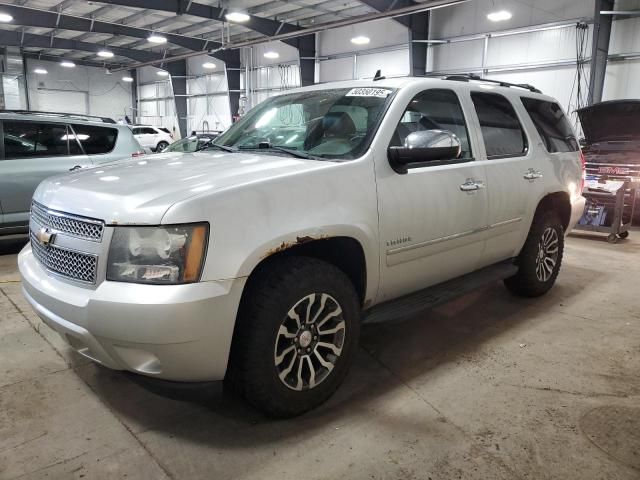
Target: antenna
378	76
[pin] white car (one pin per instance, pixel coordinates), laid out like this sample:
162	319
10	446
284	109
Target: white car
154	138
257	259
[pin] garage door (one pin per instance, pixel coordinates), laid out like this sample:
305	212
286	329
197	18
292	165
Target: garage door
63	101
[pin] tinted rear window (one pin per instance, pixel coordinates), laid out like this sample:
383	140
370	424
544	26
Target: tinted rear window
35	139
501	129
96	140
552	125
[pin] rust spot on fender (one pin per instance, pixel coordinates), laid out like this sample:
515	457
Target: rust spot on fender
287	245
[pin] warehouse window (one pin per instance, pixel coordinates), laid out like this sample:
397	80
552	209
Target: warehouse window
552	125
435	109
34	139
501	129
96	140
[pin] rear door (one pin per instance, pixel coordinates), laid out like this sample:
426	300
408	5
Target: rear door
33	151
514	176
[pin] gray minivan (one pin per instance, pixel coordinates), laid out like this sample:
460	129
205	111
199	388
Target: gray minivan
36	145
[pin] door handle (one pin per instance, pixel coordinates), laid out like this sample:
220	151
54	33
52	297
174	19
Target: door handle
75	167
532	174
471	185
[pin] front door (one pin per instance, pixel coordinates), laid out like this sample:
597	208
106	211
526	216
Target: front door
432	219
33	151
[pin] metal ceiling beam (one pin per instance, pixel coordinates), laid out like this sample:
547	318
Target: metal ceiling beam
57	59
385	5
33	17
419	7
264	26
16	38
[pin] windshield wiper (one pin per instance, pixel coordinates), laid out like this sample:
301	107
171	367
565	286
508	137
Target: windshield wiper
221	147
294	153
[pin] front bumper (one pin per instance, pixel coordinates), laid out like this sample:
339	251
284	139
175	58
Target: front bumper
173	332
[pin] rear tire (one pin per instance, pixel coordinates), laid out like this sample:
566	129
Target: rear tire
624	234
161	146
540	258
295	337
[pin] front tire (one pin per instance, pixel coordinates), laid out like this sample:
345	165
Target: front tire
296	336
540	258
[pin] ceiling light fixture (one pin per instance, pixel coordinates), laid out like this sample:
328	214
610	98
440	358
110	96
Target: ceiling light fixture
163	73
153	38
105	54
360	40
40	71
5	18
127	79
271	54
237	17
67	64
499	16
209	65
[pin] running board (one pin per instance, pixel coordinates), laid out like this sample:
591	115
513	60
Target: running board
438	294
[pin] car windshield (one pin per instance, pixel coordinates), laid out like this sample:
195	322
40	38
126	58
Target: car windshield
189	144
335	123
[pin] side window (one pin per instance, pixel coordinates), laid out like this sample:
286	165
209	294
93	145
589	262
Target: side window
552	125
34	139
137	131
149	131
434	110
74	142
96	140
501	130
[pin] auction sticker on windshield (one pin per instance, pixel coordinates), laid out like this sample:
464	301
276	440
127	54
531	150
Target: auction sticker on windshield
368	92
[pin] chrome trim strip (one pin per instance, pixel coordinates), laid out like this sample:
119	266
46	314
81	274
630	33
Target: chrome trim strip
455	236
505	222
435	241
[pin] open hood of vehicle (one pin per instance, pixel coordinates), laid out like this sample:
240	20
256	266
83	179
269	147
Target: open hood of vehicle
615	120
140	191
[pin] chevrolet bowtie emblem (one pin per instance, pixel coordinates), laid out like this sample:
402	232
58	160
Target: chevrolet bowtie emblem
45	237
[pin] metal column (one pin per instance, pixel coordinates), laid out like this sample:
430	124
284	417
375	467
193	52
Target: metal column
178	71
418	30
600	50
232	68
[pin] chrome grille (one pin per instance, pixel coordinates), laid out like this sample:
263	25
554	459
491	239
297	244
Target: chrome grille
75	265
73	225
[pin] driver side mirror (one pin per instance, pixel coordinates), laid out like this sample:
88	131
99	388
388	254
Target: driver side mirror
422	147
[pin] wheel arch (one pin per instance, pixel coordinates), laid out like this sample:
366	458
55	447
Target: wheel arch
559	202
344	252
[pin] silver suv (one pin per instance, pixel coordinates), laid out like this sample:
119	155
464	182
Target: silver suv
256	260
36	145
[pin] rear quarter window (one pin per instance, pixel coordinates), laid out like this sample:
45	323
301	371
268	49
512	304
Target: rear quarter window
96	140
552	125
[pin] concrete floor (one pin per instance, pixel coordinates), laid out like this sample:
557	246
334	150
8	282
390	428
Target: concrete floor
488	386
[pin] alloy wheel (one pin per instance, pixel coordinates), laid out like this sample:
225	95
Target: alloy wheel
309	341
547	257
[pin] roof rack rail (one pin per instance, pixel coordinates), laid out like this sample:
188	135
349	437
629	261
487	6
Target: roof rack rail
466	77
77	116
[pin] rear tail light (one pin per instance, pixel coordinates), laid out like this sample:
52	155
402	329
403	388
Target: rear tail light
583	178
138	153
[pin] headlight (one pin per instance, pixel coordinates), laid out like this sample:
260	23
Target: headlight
166	255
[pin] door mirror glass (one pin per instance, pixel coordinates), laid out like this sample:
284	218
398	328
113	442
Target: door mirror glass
424	146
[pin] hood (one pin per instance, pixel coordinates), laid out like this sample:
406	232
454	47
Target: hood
616	120
140	191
